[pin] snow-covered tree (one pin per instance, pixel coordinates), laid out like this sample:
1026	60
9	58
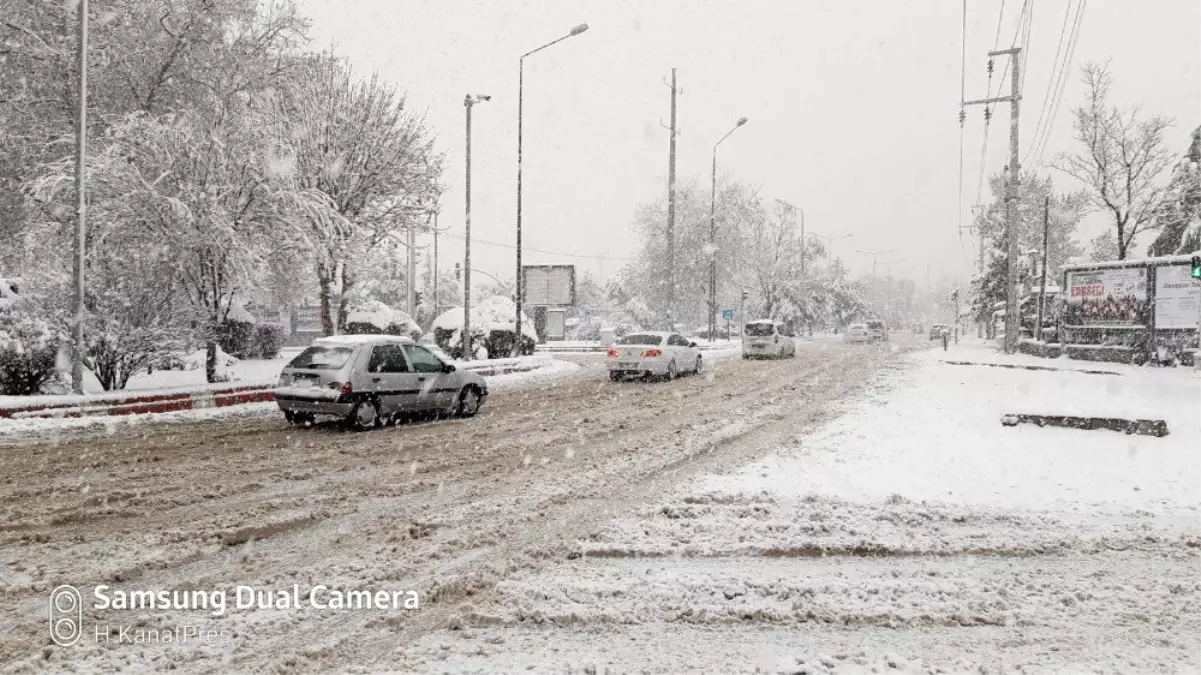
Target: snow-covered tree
1066	212
355	141
1103	247
1123	157
204	197
1178	217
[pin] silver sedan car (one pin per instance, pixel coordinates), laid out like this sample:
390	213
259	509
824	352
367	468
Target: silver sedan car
370	379
652	354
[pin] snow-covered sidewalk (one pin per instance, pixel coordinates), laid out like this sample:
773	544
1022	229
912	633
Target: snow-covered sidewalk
912	533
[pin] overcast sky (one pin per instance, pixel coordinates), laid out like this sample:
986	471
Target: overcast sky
852	108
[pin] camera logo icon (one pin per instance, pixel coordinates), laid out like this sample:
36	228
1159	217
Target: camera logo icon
66	615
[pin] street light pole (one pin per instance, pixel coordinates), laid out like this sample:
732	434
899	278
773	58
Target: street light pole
875	255
468	102
713	236
830	242
519	294
81	207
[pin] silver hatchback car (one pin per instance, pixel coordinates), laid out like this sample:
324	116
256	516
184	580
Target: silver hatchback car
369	379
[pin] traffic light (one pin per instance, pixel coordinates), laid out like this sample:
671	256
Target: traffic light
458	272
1196	272
417	298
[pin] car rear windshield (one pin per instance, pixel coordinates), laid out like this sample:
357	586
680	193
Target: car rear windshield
759	329
319	357
875	324
640	339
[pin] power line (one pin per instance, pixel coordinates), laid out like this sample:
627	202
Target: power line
1026	44
1070	56
1052	81
1000	85
962	114
477	240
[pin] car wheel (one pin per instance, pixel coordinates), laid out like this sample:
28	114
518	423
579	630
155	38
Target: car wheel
469	402
700	366
615	375
672	373
364	416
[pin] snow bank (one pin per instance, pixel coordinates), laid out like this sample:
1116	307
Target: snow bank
932	432
376	313
197	359
495	313
240	313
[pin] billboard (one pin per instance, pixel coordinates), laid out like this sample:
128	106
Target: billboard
548	285
1176	297
1106	297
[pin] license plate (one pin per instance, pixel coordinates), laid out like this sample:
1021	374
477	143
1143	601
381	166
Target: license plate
627	366
759	344
304	384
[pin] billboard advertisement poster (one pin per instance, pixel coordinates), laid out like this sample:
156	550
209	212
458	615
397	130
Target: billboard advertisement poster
549	285
1115	296
1176	297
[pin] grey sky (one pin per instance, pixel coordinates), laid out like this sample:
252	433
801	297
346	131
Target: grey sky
852	108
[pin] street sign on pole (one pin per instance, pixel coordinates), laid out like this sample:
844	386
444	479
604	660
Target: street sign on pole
727	314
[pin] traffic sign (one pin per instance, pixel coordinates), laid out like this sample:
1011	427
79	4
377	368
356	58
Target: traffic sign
727	314
1196	267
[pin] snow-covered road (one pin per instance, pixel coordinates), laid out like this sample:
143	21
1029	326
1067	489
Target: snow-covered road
449	509
856	508
913	533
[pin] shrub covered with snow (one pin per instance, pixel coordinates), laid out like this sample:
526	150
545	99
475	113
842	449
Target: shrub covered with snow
268	339
28	347
115	351
492	329
236	334
372	317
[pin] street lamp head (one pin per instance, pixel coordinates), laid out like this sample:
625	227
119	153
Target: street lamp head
741	121
483	97
579	29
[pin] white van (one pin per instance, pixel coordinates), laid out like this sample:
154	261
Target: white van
767	339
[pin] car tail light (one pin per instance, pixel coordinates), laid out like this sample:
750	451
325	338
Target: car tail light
613	352
651	353
775	339
343	387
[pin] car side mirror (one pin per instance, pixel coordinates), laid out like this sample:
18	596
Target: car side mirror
692	344
448	368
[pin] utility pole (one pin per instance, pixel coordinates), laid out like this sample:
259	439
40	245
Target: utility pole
671	209
81	141
434	276
468	102
1042	289
410	265
1012	215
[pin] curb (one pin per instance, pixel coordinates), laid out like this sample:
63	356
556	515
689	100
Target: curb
153	403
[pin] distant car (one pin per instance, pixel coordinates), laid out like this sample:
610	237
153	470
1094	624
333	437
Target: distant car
367	380
936	331
857	333
878	330
767	339
653	354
